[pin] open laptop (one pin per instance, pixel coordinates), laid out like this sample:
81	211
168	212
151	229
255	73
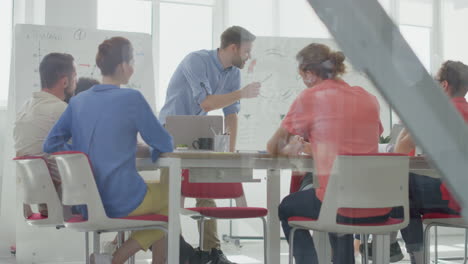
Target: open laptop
187	128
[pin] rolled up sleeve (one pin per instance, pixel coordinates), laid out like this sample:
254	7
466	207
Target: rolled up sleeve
194	69
234	86
299	117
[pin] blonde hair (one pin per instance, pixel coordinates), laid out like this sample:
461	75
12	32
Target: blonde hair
322	61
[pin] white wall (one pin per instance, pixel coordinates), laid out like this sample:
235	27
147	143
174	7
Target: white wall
7	199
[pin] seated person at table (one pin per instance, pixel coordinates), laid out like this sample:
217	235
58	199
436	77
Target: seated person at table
426	194
38	115
84	84
335	118
103	122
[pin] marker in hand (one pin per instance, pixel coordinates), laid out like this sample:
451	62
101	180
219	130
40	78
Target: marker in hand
251	90
266	78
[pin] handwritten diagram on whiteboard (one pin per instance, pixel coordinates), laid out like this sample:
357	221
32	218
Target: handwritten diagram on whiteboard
33	42
274	64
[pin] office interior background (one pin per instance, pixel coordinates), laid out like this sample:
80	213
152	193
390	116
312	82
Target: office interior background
435	29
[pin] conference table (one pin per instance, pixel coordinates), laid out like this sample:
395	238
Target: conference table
236	167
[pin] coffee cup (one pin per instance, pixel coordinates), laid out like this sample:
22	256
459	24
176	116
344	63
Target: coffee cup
203	144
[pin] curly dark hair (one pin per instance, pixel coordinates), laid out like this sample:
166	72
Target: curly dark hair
321	60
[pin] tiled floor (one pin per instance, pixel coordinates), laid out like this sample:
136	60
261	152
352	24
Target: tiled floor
251	252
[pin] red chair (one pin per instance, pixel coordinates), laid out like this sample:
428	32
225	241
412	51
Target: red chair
296	179
444	220
220	191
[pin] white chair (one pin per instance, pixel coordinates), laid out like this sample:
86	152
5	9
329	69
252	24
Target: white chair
445	220
362	181
39	189
79	188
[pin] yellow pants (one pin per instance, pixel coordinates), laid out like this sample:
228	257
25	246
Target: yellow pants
155	202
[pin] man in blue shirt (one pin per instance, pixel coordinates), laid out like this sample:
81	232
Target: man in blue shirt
208	80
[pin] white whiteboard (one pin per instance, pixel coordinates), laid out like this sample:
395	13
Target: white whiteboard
33	42
274	64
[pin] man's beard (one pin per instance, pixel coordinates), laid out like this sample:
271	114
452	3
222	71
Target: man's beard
68	95
238	62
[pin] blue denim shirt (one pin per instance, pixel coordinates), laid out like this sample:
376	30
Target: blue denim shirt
198	75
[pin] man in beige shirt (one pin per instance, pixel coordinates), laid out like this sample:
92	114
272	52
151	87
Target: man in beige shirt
38	115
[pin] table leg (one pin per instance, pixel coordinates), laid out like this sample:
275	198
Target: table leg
273	224
174	210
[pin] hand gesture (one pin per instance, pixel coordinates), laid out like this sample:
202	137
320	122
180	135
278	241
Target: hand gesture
251	90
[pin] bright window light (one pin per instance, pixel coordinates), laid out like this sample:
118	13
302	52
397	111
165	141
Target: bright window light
178	38
255	15
454	33
125	15
5	49
298	19
416	12
419	38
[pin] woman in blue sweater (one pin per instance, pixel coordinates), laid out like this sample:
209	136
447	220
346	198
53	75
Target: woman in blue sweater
104	122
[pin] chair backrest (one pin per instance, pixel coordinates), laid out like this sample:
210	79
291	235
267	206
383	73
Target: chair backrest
210	190
39	188
78	184
378	180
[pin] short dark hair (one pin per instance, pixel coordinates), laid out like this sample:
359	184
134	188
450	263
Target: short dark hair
113	52
456	75
55	66
84	84
236	35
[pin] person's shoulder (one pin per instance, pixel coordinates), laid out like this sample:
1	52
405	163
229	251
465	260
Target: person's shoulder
202	53
363	92
199	55
130	94
308	93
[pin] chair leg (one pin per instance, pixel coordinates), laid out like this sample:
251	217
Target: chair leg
291	245
365	257
87	247
120	239
96	243
465	258
265	239
363	261
202	232
427	244
436	253
380	246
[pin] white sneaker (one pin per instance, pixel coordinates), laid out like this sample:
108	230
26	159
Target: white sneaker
108	247
100	259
